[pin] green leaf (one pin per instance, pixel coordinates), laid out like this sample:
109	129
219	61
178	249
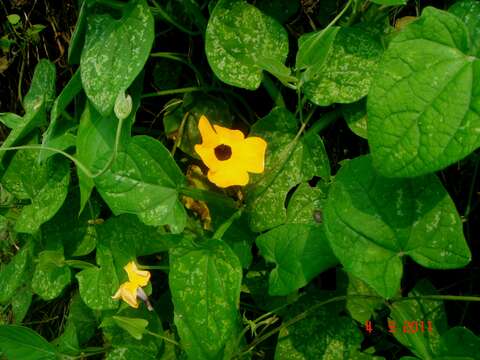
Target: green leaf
241	42
72	229
13	19
98	285
322	335
11	120
290	160
415	125
46	185
19	342
21	303
422	343
300	253
206	300
115	52
51	274
372	222
144	180
38	99
339	64
459	343
77	39
355	115
469	12
306	205
361	309
134	326
12	274
59	129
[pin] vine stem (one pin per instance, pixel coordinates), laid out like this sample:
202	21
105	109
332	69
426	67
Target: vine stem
305	313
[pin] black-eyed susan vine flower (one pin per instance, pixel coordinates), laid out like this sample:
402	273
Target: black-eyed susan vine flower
228	155
130	290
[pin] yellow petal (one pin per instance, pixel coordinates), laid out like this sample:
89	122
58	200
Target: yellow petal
209	137
228	136
128	293
228	176
135	276
252	154
207	154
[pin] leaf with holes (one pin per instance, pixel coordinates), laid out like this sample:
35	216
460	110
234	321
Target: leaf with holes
415	125
206	300
372	221
241	42
115	52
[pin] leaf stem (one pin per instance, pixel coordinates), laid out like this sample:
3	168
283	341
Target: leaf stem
164	338
222	229
272	90
324	120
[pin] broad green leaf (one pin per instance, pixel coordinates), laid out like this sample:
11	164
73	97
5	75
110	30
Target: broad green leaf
206	299
134	326
72	229
361	309
59	129
115	52
51	274
355	115
415	125
12	274
214	108
290	160
36	102
19	342
46	185
420	340
21	303
144	180
11	120
240	239
458	343
469	12
339	64
322	335
241	42
98	285
299	251
306	205
372	222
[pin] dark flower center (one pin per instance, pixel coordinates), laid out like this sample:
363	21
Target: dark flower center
223	152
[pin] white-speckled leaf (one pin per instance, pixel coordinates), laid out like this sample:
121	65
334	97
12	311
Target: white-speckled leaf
372	221
115	52
205	283
422	343
289	161
469	12
241	42
322	335
21	302
415	124
12	274
46	185
306	205
98	285
355	115
144	180
51	274
344	73
300	253
36	102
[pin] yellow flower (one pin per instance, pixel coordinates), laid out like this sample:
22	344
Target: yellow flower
228	155
130	290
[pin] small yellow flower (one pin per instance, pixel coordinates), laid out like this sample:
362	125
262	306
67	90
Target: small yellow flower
228	155
130	290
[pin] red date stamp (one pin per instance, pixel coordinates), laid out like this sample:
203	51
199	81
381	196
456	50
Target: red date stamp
408	327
